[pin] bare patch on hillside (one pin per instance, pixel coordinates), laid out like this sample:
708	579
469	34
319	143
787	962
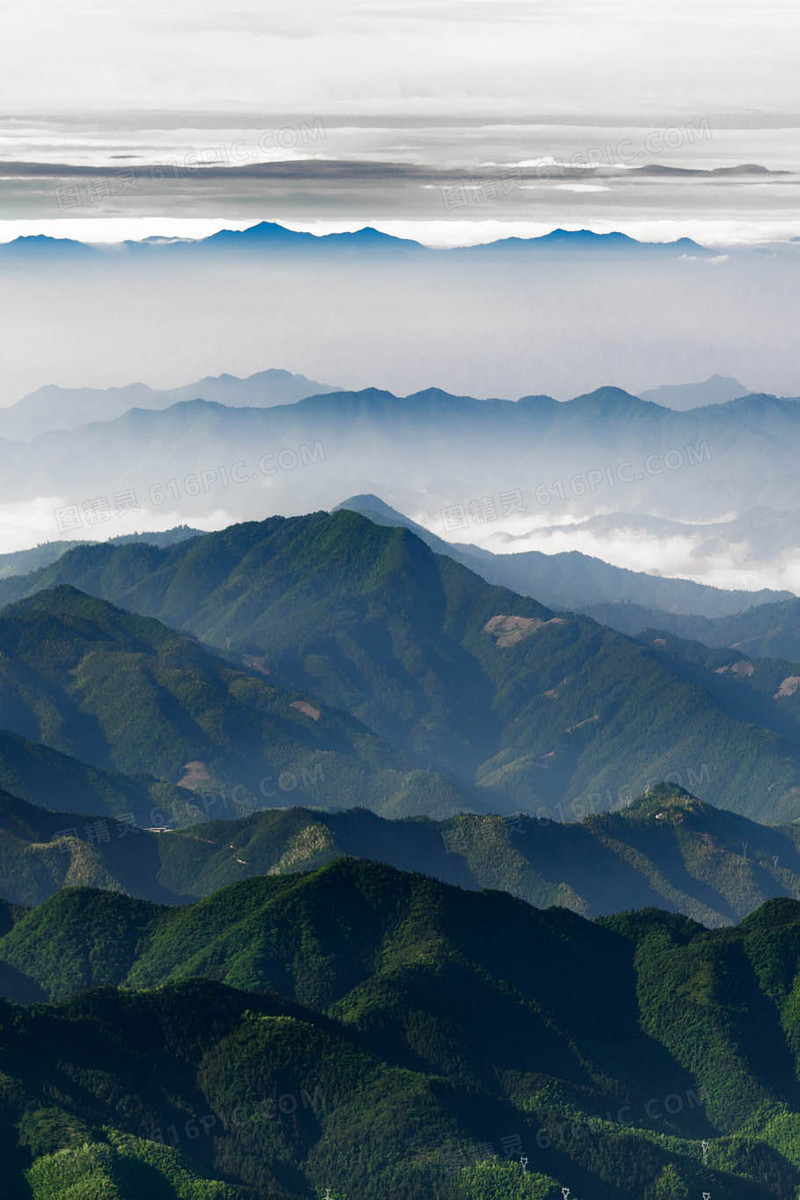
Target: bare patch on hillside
742	669
507	631
255	663
788	686
194	775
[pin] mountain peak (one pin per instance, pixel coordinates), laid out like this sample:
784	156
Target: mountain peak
612	400
717	389
368	502
589	236
663	801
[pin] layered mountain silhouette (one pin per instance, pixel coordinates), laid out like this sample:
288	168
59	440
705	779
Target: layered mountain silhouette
530	706
719	389
452	454
59	408
764	631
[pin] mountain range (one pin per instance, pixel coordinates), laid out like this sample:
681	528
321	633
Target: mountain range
446	1034
764	624
391	982
251	296
666	849
510	704
462	461
577	581
60	408
275	239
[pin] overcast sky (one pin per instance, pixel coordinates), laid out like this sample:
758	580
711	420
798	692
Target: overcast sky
550	56
449	85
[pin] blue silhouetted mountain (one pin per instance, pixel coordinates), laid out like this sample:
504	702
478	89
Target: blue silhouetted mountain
53	408
718	389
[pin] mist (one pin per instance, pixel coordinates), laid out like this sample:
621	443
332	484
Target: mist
490	323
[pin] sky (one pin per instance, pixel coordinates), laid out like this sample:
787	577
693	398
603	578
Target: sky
565	57
333	115
448	121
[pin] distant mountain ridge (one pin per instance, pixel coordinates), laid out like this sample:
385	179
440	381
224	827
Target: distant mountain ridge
53	407
606	448
448	450
718	389
20	562
276	237
764	631
573	580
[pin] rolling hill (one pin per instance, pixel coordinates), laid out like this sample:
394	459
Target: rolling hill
444	1033
667	849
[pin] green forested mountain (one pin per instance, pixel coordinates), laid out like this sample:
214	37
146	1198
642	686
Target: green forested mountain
763	631
42	850
576	581
124	693
19	562
497	690
667	849
46	777
384	1034
765	691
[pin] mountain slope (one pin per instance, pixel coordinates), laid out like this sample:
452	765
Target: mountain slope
125	693
667	849
164	1091
42	776
572	580
432	1020
532	706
